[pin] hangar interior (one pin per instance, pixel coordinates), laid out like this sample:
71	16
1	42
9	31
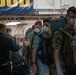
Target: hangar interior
42	9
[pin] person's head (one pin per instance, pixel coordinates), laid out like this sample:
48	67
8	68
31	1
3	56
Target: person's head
8	30
33	27
17	40
46	26
3	28
71	16
47	20
38	27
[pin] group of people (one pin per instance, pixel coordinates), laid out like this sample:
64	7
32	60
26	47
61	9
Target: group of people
44	52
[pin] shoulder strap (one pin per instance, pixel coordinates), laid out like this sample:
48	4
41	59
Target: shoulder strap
41	36
66	32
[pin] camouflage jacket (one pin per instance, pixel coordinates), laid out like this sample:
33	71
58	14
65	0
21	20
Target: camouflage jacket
61	42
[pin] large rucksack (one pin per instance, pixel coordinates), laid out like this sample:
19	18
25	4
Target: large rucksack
67	50
19	67
58	23
45	50
16	58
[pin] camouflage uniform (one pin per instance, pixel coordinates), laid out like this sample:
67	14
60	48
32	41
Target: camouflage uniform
74	43
53	69
42	69
28	31
61	42
30	37
74	46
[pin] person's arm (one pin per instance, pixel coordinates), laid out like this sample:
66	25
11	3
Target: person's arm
34	52
74	48
34	56
34	66
57	41
57	61
14	46
74	56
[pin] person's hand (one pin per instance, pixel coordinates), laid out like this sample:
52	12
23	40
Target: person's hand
60	73
27	43
34	68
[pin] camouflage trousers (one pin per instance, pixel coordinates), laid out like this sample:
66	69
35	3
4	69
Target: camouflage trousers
53	69
43	69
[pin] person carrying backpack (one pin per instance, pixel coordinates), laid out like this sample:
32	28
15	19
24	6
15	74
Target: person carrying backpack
41	54
63	46
27	45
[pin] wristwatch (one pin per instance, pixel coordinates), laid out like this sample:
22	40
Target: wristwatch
33	62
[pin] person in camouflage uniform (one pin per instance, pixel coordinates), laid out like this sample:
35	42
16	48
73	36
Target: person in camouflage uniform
61	45
42	48
34	32
27	49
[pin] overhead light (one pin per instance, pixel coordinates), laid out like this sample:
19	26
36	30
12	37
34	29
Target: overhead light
13	23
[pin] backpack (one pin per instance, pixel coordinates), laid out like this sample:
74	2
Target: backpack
45	50
16	58
59	23
67	49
